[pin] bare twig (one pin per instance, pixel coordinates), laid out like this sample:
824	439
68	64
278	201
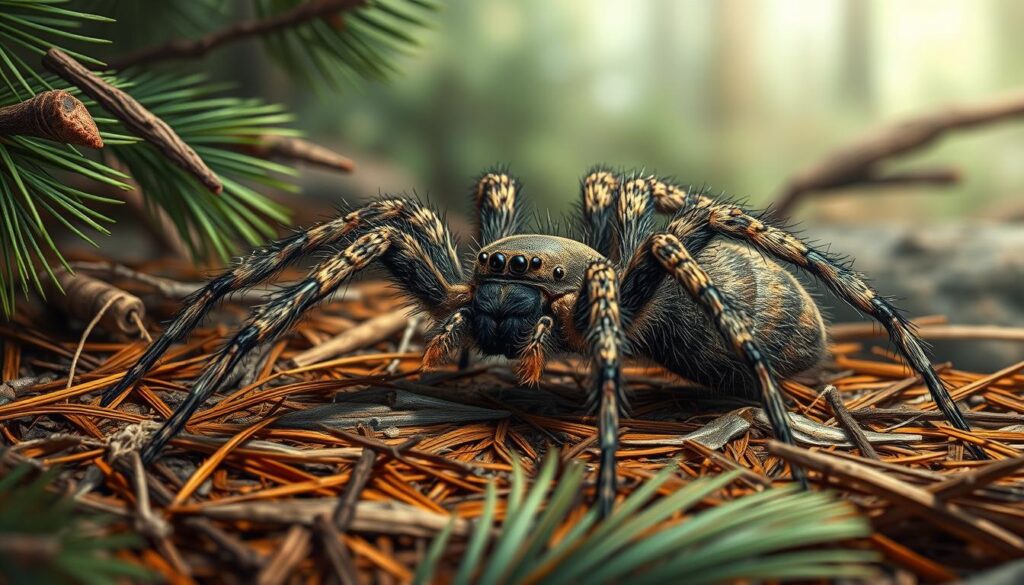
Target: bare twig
293	549
849	424
859	162
924	504
233	548
294	149
173	289
331	528
377	517
365	334
186	48
54	115
134	116
337	554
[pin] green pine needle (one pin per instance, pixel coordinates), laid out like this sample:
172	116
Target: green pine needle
366	45
30	28
72	547
776	534
212	225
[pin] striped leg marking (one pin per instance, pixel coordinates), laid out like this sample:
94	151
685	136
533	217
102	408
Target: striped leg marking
850	286
599	298
265	262
269	322
677	261
498	205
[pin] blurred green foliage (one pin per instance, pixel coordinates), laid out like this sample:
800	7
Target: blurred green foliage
734	94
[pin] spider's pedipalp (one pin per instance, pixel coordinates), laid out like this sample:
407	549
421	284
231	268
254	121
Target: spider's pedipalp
271	320
735	222
446	339
531	357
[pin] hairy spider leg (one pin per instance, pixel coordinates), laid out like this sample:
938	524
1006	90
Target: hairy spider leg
399	251
268	322
697	213
618	209
498	205
597	315
734	222
634	215
598	192
266	261
669	251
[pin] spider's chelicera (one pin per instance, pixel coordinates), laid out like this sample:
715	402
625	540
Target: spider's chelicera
696	294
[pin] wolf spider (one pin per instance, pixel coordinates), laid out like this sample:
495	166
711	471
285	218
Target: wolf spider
694	295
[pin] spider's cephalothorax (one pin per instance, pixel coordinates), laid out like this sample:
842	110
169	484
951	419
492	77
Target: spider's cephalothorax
696	294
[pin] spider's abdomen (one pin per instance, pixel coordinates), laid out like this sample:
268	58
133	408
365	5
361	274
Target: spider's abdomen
784	320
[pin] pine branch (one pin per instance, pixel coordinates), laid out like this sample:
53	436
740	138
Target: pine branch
858	162
54	115
134	116
181	49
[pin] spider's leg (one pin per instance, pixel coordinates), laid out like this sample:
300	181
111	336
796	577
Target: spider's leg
618	210
499	205
400	252
634	214
598	190
531	358
850	286
268	322
595	312
665	253
671	198
264	262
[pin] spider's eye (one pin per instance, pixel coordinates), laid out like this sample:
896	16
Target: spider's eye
559	273
483	257
535	263
518	264
497	262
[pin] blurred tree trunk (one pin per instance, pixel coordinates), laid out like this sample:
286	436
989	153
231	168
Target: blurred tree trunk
856	57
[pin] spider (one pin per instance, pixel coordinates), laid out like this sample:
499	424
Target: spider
698	294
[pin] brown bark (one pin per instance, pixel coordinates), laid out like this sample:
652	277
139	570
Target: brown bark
54	115
134	116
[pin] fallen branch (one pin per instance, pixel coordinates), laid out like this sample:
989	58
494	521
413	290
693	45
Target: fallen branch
186	48
54	115
293	149
82	297
849	424
134	116
363	335
173	289
859	161
374	517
